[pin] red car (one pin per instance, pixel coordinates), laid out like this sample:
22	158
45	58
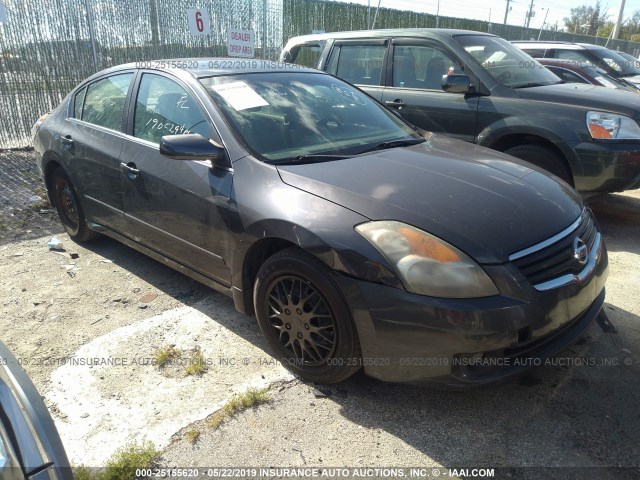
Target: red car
573	71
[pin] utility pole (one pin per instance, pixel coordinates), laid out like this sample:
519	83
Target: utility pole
530	14
616	29
506	11
543	22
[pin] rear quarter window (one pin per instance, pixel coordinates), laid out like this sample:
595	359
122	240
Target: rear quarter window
78	101
307	55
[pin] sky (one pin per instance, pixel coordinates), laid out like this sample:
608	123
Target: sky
493	10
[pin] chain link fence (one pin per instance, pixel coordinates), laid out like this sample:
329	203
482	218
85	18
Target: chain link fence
48	46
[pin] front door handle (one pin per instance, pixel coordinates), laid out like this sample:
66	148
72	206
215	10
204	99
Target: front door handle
394	103
130	169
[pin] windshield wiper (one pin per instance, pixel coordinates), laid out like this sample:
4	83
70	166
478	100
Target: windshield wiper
310	158
405	142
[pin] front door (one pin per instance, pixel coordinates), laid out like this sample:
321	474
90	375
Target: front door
414	89
176	207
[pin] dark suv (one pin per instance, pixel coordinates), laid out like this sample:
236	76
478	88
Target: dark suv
480	88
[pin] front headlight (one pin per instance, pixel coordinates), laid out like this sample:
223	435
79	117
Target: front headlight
425	264
603	125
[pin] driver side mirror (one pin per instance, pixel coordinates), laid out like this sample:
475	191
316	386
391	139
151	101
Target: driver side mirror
193	146
456	83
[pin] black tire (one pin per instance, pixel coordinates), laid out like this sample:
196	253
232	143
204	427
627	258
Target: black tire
544	158
304	318
68	207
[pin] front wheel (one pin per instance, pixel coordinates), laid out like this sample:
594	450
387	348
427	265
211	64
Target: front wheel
304	318
544	158
68	207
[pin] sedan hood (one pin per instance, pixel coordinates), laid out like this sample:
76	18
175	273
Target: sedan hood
487	204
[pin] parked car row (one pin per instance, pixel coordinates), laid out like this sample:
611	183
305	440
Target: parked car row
575	71
613	63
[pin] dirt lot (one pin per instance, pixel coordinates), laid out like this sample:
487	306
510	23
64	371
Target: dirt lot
89	331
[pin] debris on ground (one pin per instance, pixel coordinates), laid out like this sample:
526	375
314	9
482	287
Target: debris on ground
55	244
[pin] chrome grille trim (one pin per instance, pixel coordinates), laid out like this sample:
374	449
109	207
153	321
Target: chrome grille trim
581	278
553	263
549	241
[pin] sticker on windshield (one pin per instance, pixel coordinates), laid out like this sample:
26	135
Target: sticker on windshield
240	95
350	94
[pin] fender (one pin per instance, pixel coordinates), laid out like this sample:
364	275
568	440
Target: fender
550	129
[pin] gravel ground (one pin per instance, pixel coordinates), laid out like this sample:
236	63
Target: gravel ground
89	330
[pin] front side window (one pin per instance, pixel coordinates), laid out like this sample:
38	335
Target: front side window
505	62
419	66
105	99
163	107
283	116
359	64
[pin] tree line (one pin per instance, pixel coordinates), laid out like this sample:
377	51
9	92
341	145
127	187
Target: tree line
596	21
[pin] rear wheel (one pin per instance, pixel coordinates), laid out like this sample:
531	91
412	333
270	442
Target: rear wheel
543	157
68	207
304	317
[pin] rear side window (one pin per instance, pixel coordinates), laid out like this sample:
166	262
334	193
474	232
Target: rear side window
307	55
105	99
575	55
359	64
163	107
78	100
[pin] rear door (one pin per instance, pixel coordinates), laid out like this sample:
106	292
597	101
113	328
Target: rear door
92	143
360	62
414	89
176	207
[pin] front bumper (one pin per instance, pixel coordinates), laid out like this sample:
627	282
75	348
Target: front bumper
607	166
461	343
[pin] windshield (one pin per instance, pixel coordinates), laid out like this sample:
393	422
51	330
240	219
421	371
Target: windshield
289	115
506	63
607	80
619	64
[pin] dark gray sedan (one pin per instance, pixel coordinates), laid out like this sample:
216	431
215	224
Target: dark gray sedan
356	239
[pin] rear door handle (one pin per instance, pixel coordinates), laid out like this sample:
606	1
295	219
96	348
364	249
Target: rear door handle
67	141
130	169
394	103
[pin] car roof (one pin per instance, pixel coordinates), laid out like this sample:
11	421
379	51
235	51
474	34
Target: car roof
201	67
391	32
